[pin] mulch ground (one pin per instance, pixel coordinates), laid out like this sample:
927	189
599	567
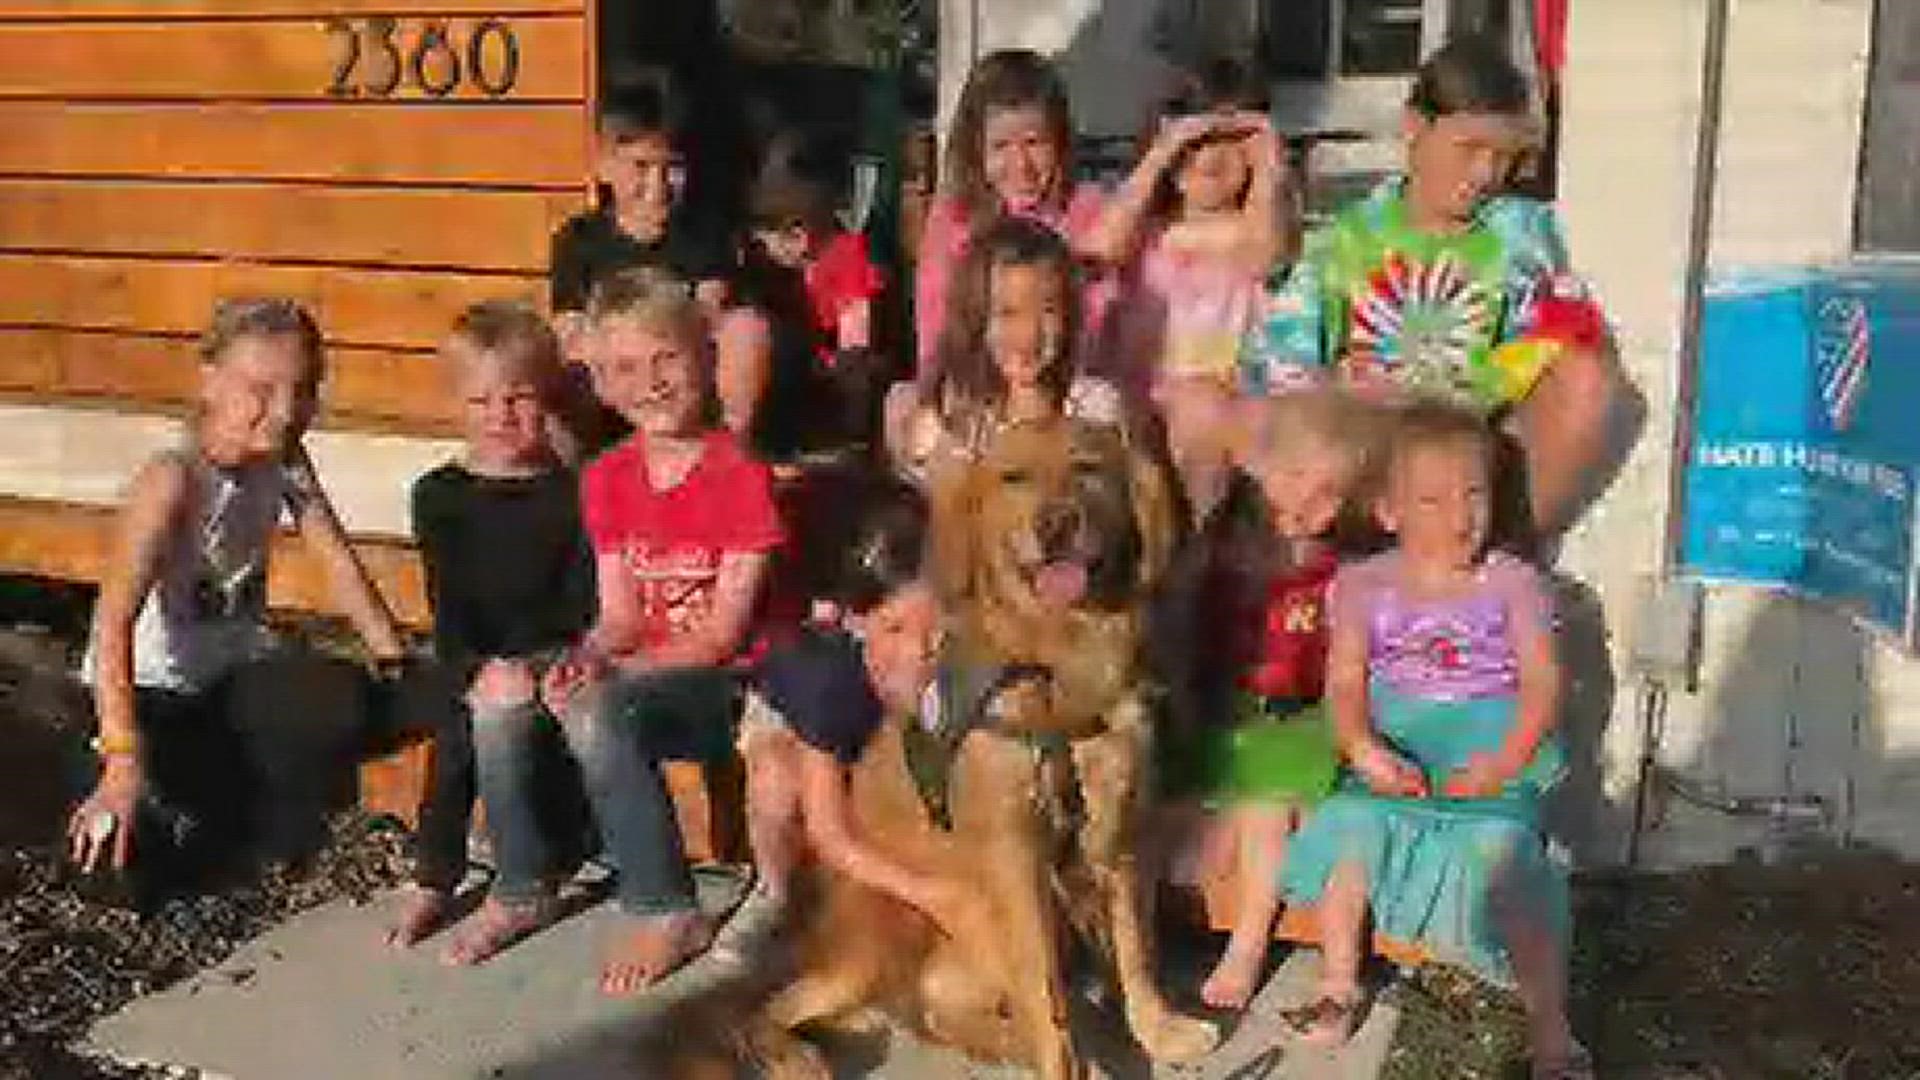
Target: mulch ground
67	959
1805	971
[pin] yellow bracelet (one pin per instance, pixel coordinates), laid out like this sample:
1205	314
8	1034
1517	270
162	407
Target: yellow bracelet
120	747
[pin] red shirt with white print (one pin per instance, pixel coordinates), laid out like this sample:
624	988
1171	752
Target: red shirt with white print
673	540
1284	643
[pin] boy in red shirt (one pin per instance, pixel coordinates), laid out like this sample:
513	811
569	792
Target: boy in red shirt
683	529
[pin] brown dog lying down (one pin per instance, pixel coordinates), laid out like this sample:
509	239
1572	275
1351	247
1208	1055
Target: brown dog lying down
1045	546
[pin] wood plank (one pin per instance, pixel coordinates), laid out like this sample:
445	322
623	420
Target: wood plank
377	389
71	542
382	308
403	144
156	10
497	230
267	59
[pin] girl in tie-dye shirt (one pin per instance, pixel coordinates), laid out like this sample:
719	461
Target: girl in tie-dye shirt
1434	285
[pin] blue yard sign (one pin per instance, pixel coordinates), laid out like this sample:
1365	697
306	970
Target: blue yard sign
1806	442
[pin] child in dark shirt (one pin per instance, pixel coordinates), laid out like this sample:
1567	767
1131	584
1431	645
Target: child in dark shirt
820	699
510	577
642	219
819	285
645	220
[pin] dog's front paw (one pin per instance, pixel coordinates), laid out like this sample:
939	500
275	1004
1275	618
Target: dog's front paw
1174	1039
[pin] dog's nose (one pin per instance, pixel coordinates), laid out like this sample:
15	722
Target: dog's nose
1058	526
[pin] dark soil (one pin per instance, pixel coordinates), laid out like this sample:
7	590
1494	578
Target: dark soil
1803	971
65	959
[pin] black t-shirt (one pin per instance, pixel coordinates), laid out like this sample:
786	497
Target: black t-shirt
818	684
592	246
509	569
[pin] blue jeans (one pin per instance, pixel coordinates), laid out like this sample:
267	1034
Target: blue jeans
506	762
620	730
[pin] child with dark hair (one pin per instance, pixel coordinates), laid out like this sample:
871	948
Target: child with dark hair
510	578
1010	152
1008	352
1441	284
1195	231
818	283
641	219
820	700
645	219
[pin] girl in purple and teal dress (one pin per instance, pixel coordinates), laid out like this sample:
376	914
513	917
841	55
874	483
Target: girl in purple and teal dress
1444	689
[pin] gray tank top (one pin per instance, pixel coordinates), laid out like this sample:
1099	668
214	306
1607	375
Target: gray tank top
206	610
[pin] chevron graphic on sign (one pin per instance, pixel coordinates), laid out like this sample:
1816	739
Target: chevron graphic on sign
1843	347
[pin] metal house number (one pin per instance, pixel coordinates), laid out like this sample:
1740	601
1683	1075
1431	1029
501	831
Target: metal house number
370	58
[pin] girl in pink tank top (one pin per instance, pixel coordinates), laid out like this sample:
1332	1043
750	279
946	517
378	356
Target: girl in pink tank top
1009	154
1194	232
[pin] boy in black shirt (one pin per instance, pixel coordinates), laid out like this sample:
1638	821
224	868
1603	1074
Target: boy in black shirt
645	219
510	578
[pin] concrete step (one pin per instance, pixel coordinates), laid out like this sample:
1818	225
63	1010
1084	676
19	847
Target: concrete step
320	997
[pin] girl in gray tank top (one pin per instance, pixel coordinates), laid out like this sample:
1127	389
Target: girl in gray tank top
182	601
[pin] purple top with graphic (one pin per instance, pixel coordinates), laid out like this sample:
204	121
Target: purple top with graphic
1448	649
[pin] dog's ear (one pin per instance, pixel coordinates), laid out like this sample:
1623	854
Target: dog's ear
952	518
1153	516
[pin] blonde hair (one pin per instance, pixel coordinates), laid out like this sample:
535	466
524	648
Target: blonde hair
513	333
240	317
656	298
1320	420
1431	425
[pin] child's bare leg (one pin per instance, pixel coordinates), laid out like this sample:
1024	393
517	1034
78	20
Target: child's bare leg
773	808
743	366
1330	1020
1539	974
1262	834
1196	412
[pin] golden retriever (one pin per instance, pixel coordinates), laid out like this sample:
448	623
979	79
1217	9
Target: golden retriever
1045	547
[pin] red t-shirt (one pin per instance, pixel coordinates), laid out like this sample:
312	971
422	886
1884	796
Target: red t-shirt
841	275
1284	653
672	541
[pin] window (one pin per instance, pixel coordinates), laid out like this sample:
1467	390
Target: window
1887	209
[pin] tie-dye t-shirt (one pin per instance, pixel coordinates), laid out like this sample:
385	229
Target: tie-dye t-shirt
1394	309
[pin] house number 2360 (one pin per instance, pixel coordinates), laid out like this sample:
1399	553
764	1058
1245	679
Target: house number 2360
375	57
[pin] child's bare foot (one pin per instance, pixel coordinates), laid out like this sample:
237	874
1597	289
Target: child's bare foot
1234	978
494	927
651	948
422	912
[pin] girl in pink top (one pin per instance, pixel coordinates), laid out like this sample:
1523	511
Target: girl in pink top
1010	152
1195	230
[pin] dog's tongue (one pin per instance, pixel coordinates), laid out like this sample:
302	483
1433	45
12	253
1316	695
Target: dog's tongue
1061	583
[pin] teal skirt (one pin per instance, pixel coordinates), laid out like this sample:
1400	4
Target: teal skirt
1274	751
1434	866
